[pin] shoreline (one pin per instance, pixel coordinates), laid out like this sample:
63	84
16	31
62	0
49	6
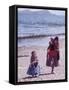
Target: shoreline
39	36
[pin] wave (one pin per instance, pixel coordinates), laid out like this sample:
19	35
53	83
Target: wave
39	36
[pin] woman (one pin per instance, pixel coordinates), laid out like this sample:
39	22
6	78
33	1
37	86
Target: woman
34	68
48	62
51	57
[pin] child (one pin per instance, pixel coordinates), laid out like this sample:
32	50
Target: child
34	68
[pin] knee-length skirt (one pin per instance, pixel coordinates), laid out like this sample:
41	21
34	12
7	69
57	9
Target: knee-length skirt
49	62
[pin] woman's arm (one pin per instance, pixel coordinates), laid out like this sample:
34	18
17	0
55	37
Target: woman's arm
47	54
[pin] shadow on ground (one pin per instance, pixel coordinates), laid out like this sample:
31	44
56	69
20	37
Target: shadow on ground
29	77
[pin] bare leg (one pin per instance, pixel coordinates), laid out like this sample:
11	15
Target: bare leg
52	71
52	65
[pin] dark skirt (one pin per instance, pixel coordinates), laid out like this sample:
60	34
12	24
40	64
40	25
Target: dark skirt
52	60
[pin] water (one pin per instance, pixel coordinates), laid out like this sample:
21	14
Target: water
28	30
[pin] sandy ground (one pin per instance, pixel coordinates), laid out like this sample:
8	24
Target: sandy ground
24	54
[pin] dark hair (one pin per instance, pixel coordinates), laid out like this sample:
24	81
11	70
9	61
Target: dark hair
56	38
32	52
52	39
